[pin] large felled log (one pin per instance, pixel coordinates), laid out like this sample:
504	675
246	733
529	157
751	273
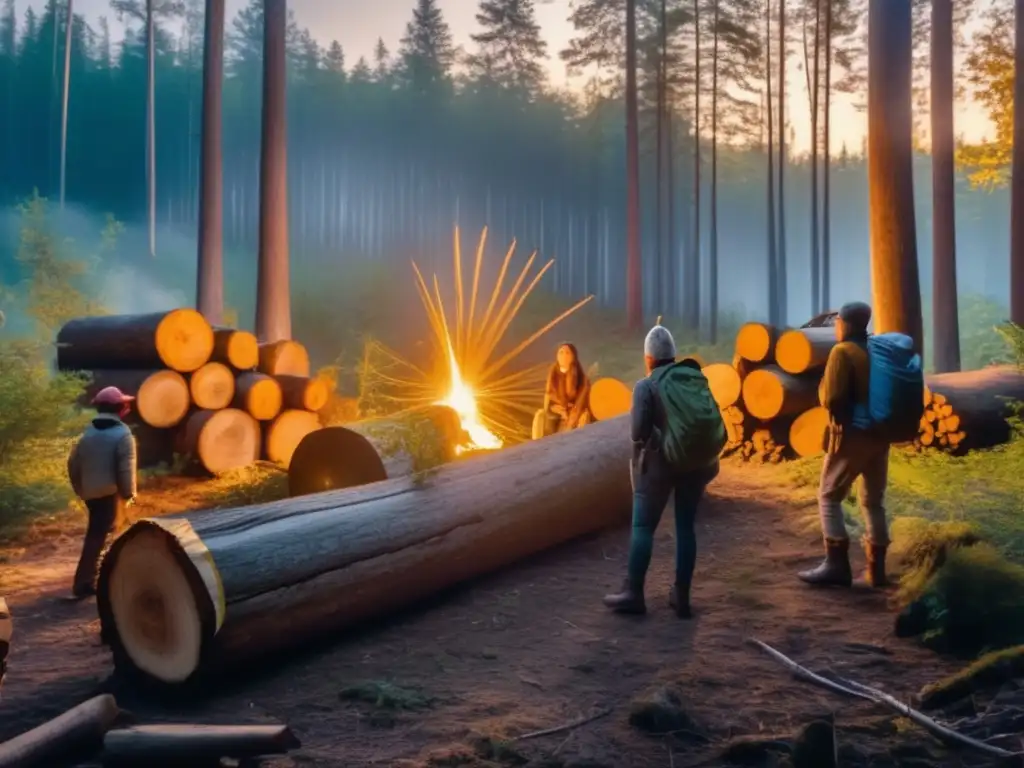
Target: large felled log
770	392
181	594
282	436
180	339
807	433
303	393
239	349
755	342
609	398
221	440
800	350
725	383
161	397
979	403
259	395
76	733
373	450
180	745
284	358
212	386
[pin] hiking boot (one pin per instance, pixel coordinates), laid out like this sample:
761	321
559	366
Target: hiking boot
629	600
834	570
679	600
874	574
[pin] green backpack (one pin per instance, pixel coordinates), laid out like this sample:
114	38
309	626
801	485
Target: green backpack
692	431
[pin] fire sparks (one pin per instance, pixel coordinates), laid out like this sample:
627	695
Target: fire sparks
476	387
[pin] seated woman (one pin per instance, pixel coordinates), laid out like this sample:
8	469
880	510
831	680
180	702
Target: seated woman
567	396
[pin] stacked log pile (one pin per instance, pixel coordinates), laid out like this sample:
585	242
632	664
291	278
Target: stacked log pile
768	396
212	395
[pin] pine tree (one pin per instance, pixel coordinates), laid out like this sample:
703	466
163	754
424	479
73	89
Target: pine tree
511	44
361	74
381	61
334	59
427	52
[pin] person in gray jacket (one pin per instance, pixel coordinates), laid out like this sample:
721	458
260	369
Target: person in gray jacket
102	469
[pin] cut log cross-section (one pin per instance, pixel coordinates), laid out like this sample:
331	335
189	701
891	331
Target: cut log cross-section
212	386
770	392
161	397
181	340
807	433
801	350
375	449
302	393
221	440
239	349
284	358
725	383
282	436
181	595
968	410
609	398
755	342
259	395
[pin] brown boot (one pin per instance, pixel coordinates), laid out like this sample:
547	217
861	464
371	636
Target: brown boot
629	600
679	600
874	574
834	570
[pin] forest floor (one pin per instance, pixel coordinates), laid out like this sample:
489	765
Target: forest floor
454	682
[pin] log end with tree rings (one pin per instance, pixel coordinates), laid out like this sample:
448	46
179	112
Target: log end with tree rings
221	440
258	395
755	342
724	382
332	458
802	349
807	432
163	399
303	393
239	349
184	340
770	392
284	358
153	597
282	436
212	387
609	398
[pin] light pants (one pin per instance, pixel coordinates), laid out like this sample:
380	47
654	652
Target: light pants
867	457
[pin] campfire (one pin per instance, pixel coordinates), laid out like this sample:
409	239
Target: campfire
480	389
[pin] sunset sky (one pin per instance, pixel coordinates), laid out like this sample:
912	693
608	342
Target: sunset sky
357	25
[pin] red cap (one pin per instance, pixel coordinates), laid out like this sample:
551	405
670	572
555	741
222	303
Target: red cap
111	396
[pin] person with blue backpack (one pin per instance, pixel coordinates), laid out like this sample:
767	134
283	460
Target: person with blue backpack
873	389
678	434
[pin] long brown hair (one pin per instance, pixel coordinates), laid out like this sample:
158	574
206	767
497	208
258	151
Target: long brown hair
575	377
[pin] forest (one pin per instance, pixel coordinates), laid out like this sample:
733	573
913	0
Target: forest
386	155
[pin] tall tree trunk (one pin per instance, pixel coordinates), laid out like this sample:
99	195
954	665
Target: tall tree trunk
945	319
53	116
210	273
713	234
1017	183
694	303
781	271
69	23
773	282
151	124
273	310
634	288
816	306
896	291
663	253
670	204
826	191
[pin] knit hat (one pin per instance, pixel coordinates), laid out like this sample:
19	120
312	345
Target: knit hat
659	344
856	315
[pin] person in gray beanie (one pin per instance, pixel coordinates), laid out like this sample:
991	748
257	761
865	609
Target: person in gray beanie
656	421
853	451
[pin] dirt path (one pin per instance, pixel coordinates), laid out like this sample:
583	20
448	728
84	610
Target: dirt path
532	648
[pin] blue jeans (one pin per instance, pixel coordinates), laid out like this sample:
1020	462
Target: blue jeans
649	501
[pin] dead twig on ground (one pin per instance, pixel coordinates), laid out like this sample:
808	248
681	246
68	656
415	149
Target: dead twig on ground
851	688
561	728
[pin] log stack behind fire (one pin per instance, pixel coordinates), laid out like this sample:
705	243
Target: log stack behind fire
214	396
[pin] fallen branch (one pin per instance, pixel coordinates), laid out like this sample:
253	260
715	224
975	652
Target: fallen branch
78	730
851	688
561	728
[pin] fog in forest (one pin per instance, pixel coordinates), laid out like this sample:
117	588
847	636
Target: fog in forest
386	156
